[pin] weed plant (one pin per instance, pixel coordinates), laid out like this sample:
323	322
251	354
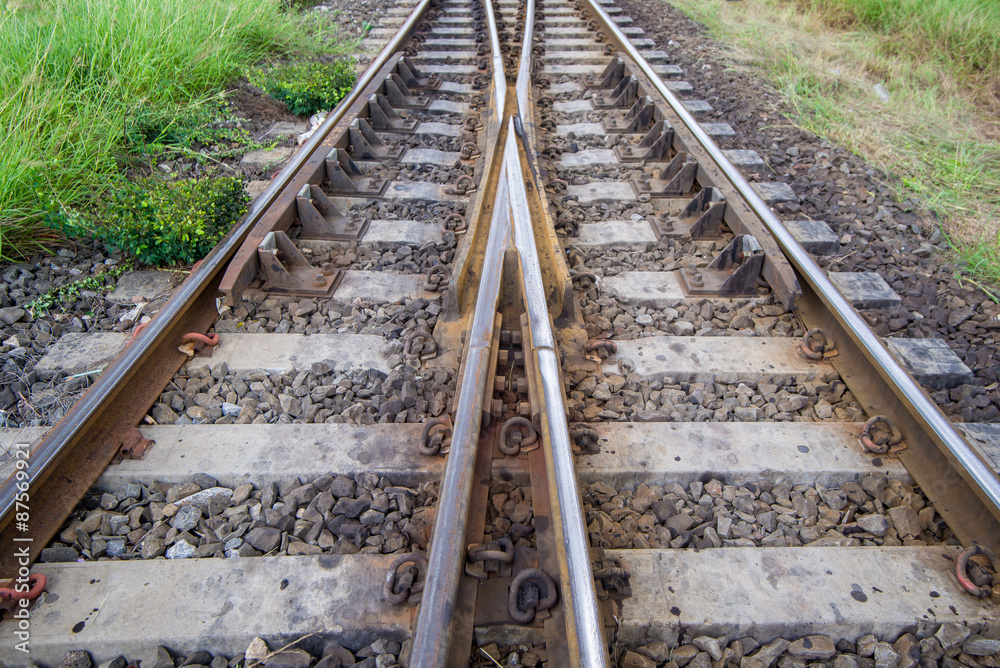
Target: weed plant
307	86
204	132
74	72
70	292
165	222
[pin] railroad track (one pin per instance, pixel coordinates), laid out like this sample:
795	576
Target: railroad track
511	366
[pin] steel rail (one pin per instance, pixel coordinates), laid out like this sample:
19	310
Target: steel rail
125	368
981	477
499	78
432	635
523	83
585	635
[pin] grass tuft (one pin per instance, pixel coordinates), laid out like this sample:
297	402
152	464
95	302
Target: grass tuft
165	222
964	34
72	74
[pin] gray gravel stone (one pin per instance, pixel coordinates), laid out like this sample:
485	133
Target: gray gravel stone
158	658
264	539
980	646
76	659
186	518
811	648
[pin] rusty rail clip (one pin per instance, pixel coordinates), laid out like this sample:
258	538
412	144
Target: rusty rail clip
531	592
962	570
883	440
611	575
517	434
585	439
406	584
419	345
486	558
431	443
817	344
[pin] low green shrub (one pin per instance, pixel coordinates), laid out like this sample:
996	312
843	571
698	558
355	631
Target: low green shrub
307	86
162	223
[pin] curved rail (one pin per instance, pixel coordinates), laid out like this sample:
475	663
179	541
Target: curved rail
432	635
496	58
524	67
434	626
984	480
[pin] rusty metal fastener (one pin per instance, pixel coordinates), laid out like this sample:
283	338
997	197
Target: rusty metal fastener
546	101
586	439
435	280
558	185
608	346
459	226
485	558
551	151
816	343
612	578
609	49
431	447
511	442
209	340
38	581
586	280
464	184
879	443
505	555
962	569
531	592
470	150
138	329
412	351
397	586
472	123
195	342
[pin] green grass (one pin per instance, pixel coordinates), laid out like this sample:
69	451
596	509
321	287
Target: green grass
75	74
965	34
937	136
